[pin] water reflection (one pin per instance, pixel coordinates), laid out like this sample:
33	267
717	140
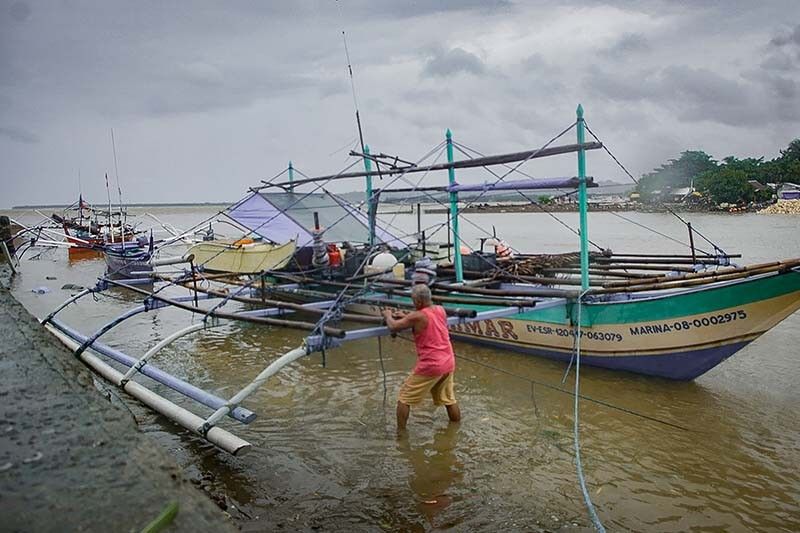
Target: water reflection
433	469
78	255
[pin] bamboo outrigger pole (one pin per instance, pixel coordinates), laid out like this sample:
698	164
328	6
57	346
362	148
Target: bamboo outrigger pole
465	163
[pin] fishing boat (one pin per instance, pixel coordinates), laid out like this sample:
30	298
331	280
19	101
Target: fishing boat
672	317
668	316
129	260
242	256
86	227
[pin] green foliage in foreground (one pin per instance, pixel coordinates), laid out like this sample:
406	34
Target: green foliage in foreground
726	181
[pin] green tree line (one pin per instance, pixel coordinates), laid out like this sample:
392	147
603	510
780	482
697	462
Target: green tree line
724	181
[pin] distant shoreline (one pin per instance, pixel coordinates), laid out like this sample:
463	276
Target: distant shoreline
166	204
573	208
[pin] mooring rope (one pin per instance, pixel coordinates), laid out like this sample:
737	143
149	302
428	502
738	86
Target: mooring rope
576	425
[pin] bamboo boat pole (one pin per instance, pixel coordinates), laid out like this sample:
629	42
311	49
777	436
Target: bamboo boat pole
478	300
292	324
656	267
600	272
541	280
712	278
677	256
758	268
217	436
287	305
658	260
386	302
466	290
467	163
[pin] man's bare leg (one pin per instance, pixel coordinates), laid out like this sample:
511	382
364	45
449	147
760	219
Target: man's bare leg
453	412
403	411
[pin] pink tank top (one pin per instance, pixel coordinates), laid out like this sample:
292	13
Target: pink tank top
434	351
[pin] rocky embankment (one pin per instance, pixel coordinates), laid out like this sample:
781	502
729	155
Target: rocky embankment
784	207
69	459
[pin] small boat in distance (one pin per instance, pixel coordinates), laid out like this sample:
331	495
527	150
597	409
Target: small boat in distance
129	260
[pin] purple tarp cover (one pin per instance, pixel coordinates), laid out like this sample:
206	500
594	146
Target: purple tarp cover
280	217
529	184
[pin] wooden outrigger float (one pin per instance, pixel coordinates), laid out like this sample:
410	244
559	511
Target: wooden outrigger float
671	316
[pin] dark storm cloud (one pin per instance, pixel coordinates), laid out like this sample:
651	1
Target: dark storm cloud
19	11
453	61
629	43
19	135
428	7
787	38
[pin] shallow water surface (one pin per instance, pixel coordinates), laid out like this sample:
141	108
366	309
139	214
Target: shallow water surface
325	450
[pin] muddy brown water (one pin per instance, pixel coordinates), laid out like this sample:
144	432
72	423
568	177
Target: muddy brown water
326	454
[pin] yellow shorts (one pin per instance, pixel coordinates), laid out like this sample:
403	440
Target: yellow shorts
416	387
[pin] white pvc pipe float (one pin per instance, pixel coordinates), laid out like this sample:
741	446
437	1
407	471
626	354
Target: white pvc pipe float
158	347
265	374
217	436
68	301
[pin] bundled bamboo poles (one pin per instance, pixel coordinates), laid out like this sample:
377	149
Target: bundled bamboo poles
697	278
446	287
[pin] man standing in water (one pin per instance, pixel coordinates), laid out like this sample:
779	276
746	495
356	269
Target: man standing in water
433	373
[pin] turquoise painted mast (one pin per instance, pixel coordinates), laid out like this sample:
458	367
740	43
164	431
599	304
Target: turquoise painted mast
451	175
582	202
370	202
291	177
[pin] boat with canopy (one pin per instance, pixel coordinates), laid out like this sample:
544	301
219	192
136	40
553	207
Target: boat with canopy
668	316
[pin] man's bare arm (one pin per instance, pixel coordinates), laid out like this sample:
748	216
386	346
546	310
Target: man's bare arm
400	323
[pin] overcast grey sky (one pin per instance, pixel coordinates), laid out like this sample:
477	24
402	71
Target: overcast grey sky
207	98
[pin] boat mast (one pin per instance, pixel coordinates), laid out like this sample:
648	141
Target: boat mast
110	227
451	175
119	191
372	206
364	148
582	202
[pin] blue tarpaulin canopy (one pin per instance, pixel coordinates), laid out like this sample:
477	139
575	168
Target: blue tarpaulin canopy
280	217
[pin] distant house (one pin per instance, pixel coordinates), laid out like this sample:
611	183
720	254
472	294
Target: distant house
789	191
758	186
679	195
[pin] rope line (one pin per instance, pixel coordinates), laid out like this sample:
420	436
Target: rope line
598	525
668	208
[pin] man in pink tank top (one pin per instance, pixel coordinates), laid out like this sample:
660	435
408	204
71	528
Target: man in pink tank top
433	373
